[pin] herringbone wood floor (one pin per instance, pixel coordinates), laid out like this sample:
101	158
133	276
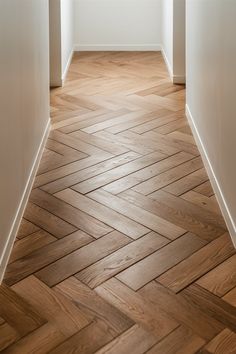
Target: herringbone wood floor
122	248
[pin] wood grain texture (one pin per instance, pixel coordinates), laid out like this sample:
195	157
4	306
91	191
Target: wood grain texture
122	247
136	307
198	264
160	261
221	279
82	258
225	342
181	341
135	339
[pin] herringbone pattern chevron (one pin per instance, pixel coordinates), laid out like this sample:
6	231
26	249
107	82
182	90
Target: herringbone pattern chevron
122	248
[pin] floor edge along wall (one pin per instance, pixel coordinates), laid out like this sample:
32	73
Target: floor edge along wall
5	254
212	176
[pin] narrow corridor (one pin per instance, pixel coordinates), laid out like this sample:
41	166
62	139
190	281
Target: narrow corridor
123	248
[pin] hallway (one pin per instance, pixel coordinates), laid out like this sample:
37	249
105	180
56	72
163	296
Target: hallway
123	248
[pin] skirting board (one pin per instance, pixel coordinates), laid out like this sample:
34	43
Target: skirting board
59	81
4	257
169	68
213	179
117	47
176	79
67	66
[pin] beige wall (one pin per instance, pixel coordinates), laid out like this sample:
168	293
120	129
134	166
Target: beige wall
55	43
179	66
211	79
24	106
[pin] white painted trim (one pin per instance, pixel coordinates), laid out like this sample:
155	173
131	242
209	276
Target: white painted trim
169	68
117	47
4	257
56	83
64	74
176	79
212	176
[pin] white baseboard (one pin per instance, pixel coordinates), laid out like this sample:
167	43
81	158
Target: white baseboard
59	81
5	254
56	83
169	67
212	176
176	79
64	74
117	47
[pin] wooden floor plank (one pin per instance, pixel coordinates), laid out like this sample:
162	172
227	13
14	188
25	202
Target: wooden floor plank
187	183
48	221
116	173
106	268
72	167
110	147
185	312
82	175
113	122
205	189
135	339
53	306
181	341
86	341
137	121
198	264
221	279
135	306
7	336
18	313
82	258
103	213
174	214
31	243
225	343
168	177
41	341
130	143
77	144
72	215
202	201
212	305
26	228
197	220
144	141
92	119
135	213
158	122
157	168
93	305
38	259
160	261
230	297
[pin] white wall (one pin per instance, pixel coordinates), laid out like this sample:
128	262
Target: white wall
118	24
61	39
67	34
173	38
167	32
24	107
211	79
